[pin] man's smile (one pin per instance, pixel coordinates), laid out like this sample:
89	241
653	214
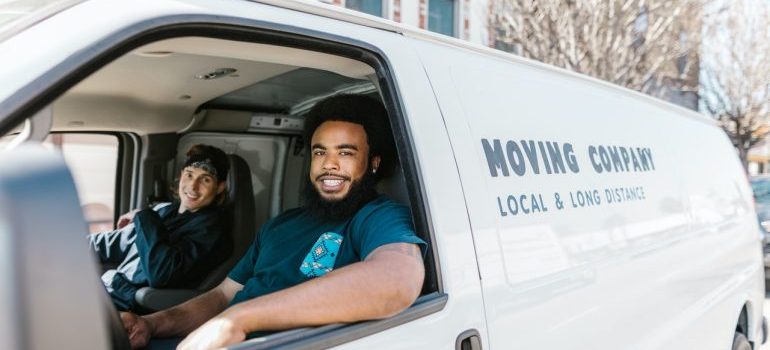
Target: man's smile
331	183
191	195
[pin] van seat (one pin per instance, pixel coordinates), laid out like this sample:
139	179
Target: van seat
394	186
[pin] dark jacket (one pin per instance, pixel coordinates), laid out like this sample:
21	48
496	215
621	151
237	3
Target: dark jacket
162	248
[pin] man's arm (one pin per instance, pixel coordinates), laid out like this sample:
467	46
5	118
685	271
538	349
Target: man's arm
166	261
384	284
111	246
126	218
181	319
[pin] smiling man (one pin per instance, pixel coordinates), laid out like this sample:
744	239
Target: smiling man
348	255
173	244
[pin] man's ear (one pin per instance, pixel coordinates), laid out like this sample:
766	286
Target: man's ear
375	163
222	186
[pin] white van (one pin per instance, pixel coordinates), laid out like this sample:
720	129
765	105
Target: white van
562	212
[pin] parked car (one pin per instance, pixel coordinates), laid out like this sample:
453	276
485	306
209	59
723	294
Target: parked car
760	185
562	212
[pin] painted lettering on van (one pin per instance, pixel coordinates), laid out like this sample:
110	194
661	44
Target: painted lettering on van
533	203
620	159
554	158
523	203
530	156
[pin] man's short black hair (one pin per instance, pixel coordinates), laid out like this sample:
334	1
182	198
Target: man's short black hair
362	110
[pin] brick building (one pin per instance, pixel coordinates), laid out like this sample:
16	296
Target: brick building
464	19
469	20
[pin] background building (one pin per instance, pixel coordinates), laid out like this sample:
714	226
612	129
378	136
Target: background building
470	20
464	19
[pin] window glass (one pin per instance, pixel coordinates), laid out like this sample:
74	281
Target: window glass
93	161
372	7
441	16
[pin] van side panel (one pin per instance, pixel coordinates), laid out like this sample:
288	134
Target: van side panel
723	220
600	218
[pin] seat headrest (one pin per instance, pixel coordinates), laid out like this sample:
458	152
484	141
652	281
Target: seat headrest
238	178
240	208
394	186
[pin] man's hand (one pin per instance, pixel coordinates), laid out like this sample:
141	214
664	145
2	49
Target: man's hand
126	218
138	328
214	334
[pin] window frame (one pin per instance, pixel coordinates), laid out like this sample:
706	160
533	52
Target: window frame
49	86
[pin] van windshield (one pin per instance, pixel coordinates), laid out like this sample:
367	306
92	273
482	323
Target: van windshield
16	15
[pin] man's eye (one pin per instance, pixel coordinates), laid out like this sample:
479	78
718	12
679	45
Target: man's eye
346	153
318	153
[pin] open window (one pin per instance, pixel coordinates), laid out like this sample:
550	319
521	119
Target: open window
93	159
245	91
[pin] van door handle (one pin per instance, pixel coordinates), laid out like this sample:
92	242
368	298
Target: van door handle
468	340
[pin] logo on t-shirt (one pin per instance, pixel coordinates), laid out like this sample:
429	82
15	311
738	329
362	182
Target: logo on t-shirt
320	260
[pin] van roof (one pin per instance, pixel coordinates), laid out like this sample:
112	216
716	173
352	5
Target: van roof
347	15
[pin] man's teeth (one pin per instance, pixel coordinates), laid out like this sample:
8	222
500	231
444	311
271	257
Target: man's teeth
332	182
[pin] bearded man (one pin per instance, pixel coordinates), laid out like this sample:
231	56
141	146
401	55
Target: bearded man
348	255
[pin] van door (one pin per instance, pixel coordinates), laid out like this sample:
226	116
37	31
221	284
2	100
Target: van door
49	285
425	157
579	210
454	315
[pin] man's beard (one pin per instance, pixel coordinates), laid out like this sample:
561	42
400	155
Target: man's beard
360	193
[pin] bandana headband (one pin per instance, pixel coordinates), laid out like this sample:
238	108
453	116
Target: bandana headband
206	166
206	163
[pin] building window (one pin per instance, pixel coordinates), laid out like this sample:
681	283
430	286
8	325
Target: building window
372	7
441	16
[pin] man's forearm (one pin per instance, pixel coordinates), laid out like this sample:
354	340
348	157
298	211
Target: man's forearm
361	291
184	318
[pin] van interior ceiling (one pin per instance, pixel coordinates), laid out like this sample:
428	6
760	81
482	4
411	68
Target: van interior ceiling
159	87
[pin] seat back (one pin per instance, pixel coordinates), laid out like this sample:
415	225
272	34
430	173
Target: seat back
240	209
394	186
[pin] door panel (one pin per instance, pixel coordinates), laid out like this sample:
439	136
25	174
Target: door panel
96	41
566	254
446	212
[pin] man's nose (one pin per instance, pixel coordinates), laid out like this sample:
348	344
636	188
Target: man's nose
330	163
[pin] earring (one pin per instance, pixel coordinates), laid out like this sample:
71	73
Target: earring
374	171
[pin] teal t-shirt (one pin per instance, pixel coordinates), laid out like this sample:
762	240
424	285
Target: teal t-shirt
275	259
